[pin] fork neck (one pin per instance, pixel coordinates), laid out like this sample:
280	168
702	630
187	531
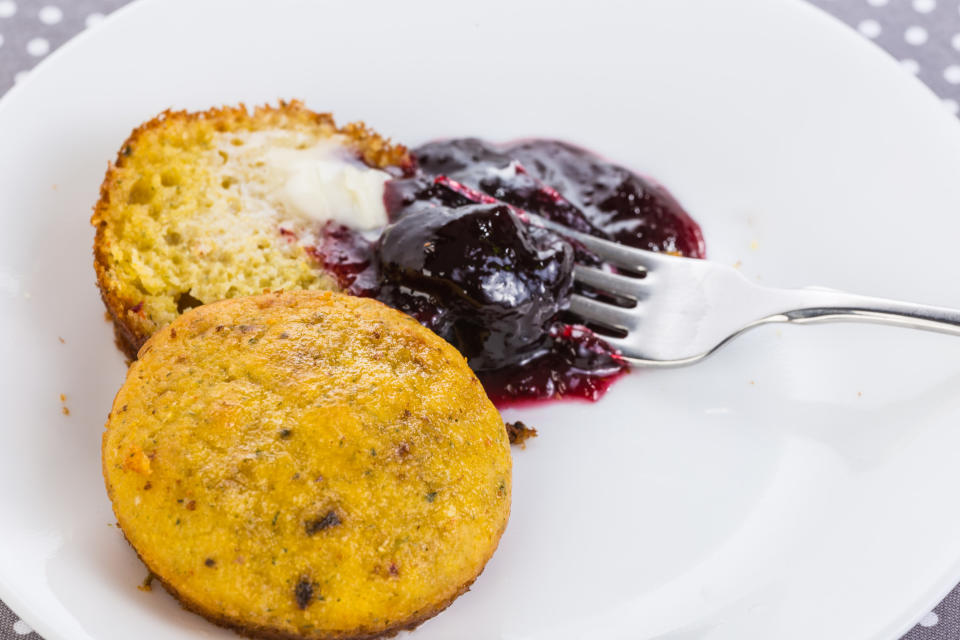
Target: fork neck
812	305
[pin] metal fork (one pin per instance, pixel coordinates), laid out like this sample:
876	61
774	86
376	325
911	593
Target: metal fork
682	309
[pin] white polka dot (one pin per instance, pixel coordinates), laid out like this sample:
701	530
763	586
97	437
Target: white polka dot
910	66
50	15
869	28
929	620
7	8
924	6
878	3
915	35
93	19
951	105
38	47
1	39
955	41
20	75
952	74
22	628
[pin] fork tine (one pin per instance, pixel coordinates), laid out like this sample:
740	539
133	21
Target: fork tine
602	313
622	345
613	252
633	288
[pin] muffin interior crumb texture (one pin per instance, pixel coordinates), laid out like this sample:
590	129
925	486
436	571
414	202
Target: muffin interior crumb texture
190	212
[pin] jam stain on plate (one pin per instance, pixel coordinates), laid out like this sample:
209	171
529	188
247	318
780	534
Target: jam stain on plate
458	257
571	186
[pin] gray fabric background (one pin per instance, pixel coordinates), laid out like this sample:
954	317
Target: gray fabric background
923	34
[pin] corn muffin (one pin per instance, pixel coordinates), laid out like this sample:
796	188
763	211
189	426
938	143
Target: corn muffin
198	207
307	464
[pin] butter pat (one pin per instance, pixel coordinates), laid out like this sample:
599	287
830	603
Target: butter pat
324	182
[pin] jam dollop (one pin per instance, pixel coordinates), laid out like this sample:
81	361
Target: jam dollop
479	278
459	257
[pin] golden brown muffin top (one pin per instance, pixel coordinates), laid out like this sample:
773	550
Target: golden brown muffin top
307	464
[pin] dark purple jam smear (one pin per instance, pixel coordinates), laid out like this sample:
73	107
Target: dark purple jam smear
458	257
576	363
561	182
348	257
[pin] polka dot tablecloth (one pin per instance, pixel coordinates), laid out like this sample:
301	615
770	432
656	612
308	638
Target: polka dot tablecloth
924	35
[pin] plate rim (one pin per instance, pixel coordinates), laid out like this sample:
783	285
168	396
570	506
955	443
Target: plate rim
902	624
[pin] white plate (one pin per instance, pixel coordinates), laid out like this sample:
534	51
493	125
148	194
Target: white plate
797	485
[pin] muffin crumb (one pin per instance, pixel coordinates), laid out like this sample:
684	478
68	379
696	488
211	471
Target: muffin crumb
519	433
147	584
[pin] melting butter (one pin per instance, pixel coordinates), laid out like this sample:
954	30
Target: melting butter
325	182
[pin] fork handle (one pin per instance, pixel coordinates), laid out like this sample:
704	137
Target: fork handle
824	305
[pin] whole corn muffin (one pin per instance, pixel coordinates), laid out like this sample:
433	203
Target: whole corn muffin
193	210
307	465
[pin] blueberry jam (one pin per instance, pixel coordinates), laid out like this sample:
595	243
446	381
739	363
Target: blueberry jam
348	257
458	257
479	278
563	183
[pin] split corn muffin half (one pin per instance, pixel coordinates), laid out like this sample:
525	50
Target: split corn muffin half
307	465
198	207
